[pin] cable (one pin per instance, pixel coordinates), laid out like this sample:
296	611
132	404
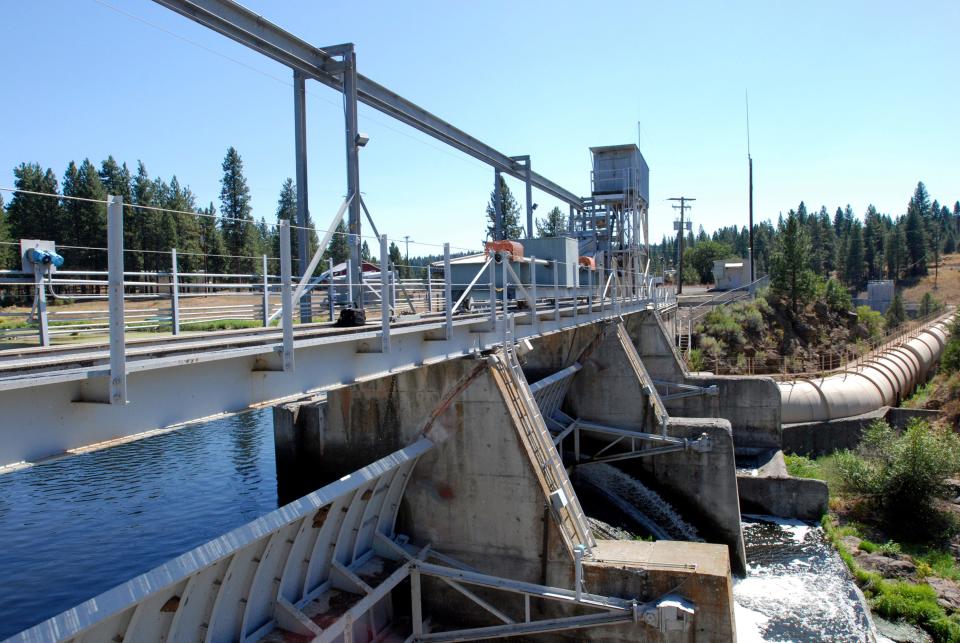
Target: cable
286	83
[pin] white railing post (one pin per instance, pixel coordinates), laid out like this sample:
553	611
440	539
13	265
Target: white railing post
601	285
429	290
350	280
175	292
384	296
40	304
506	284
286	295
331	292
589	291
266	294
118	356
447	291
493	295
556	291
533	292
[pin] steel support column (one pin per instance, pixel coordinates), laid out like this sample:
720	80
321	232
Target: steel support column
300	146
498	232
353	167
286	288
118	347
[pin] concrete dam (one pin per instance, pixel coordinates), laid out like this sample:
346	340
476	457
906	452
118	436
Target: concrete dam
508	446
446	506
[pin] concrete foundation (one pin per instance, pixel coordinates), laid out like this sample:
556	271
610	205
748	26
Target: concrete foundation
769	489
480	497
609	390
814	439
750	403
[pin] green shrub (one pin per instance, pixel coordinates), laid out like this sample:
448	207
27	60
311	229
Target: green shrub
950	362
711	347
872	320
801	466
695	361
749	317
929	304
720	324
904	475
837	297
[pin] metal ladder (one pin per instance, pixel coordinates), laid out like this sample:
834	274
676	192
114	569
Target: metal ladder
573	521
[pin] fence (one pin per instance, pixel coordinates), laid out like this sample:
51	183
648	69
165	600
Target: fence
849	358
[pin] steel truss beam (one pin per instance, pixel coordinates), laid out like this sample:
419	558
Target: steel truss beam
246	27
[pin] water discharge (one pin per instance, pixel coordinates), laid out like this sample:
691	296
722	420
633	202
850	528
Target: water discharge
797	588
637	501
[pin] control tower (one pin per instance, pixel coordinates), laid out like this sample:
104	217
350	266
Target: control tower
613	224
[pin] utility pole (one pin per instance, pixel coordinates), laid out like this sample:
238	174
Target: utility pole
683	208
750	163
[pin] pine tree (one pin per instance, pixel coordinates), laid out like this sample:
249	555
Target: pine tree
791	276
211	242
916	241
139	220
86	221
115	179
828	239
339	247
161	231
853	266
510	213
396	259
873	243
239	234
8	251
287	209
31	216
554	225
896	314
896	252
182	204
365	252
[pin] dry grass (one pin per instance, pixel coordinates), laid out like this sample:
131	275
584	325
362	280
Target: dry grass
947	284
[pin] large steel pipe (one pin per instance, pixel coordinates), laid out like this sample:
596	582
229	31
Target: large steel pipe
882	381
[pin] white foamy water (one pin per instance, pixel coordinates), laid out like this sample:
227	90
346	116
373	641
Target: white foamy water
797	588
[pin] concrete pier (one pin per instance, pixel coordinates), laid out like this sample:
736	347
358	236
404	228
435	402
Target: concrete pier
481	497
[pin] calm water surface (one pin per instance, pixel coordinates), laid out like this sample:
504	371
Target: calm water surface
73	528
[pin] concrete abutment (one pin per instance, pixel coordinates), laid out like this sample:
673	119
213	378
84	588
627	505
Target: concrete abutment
479	497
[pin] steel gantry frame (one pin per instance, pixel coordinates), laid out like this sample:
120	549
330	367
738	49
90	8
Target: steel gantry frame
336	67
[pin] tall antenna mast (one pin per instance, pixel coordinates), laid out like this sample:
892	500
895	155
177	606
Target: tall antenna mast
750	166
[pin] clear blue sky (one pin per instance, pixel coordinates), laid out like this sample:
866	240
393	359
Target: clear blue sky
851	102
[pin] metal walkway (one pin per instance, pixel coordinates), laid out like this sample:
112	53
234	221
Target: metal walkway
188	378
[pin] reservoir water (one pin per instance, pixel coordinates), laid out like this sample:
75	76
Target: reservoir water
75	527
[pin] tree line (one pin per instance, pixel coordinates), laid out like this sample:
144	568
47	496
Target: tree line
161	215
816	244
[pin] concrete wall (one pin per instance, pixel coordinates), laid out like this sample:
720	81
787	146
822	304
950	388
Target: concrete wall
750	403
821	438
785	497
703	485
608	390
477	496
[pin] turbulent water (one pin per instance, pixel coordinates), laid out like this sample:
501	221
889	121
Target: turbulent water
75	527
637	501
797	588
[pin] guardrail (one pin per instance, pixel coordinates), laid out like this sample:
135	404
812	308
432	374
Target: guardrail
848	359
